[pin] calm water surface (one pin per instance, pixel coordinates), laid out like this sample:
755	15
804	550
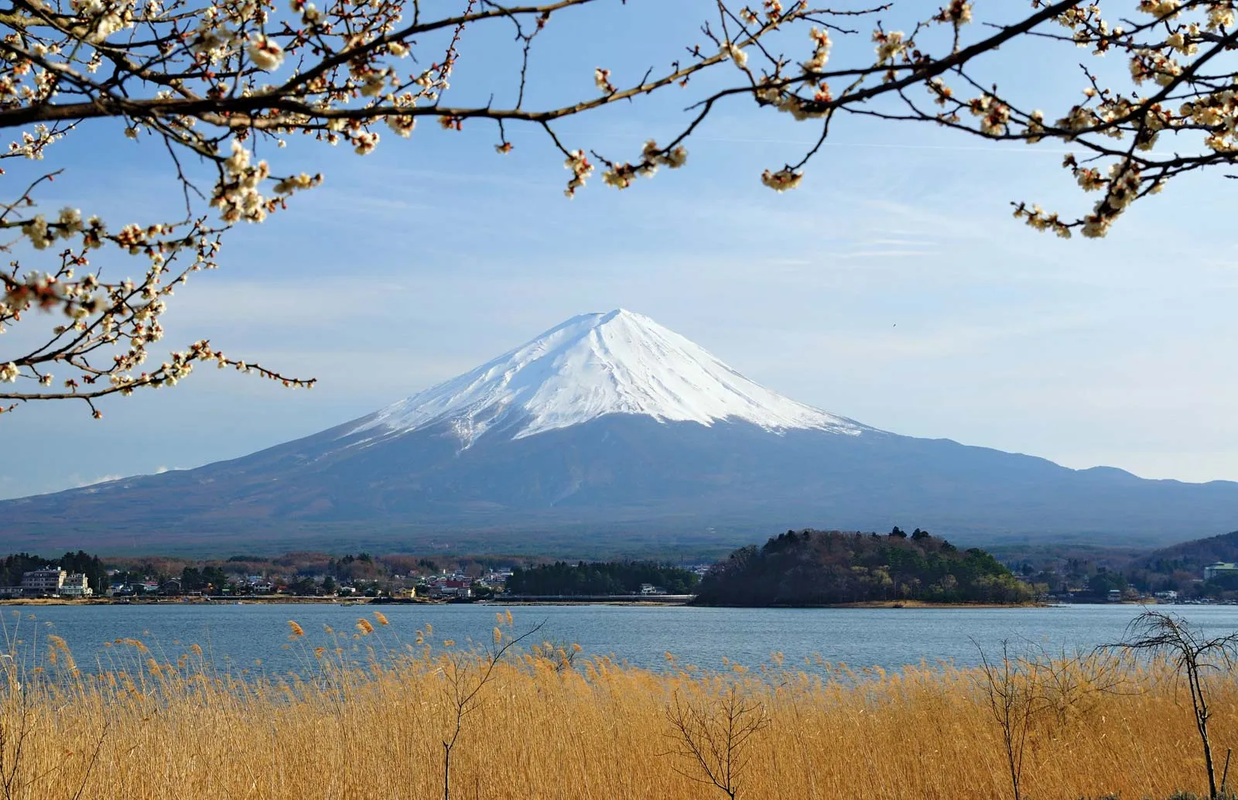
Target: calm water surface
239	635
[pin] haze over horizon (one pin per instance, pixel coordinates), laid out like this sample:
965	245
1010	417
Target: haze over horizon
892	287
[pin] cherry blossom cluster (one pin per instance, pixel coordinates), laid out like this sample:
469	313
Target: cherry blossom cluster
1182	84
225	83
578	163
219	86
107	328
783	179
621	175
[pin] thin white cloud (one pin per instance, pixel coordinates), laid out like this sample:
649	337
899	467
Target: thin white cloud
884	254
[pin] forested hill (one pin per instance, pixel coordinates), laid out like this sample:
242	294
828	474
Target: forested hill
829	567
1191	556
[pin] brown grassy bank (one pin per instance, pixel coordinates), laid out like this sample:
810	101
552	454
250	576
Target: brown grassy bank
368	714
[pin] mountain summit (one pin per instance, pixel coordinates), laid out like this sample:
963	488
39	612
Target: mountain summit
607	435
591	366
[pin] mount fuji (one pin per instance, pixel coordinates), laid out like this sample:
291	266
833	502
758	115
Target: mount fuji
592	366
608	434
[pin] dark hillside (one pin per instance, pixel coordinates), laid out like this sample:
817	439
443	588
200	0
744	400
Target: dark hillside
829	567
1191	556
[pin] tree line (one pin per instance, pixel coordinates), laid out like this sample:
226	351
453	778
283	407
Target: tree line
614	577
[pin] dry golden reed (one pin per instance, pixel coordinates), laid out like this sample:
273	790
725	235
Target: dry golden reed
369	723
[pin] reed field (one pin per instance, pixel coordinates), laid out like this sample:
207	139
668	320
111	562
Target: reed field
369	712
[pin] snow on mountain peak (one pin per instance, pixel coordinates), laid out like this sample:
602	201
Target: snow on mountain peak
592	365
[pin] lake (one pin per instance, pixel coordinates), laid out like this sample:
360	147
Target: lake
239	636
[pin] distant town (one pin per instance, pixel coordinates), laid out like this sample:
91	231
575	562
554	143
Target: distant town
308	576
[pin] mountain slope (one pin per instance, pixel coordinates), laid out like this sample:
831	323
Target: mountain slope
608	434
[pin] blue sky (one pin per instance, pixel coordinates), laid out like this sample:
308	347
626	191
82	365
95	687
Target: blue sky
893	287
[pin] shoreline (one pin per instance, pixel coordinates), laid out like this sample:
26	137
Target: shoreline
899	604
201	601
586	600
565	600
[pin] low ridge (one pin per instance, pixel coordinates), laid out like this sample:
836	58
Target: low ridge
593	365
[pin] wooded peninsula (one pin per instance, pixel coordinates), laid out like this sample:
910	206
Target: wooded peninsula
817	568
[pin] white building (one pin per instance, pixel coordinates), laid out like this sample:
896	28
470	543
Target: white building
76	585
1220	568
43	581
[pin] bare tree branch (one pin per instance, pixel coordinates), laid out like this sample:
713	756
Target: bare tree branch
211	79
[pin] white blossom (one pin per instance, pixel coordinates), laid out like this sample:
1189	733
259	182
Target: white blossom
1220	15
402	124
70	221
266	53
1160	8
674	159
365	142
601	78
238	162
735	53
782	180
38	233
821	49
581	170
619	176
889	45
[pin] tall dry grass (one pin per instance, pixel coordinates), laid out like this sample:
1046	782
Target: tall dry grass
367	715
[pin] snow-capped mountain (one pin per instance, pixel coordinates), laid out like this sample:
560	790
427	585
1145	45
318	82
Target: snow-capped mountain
591	366
608	434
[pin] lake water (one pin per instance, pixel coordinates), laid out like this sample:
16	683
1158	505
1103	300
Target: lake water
238	636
